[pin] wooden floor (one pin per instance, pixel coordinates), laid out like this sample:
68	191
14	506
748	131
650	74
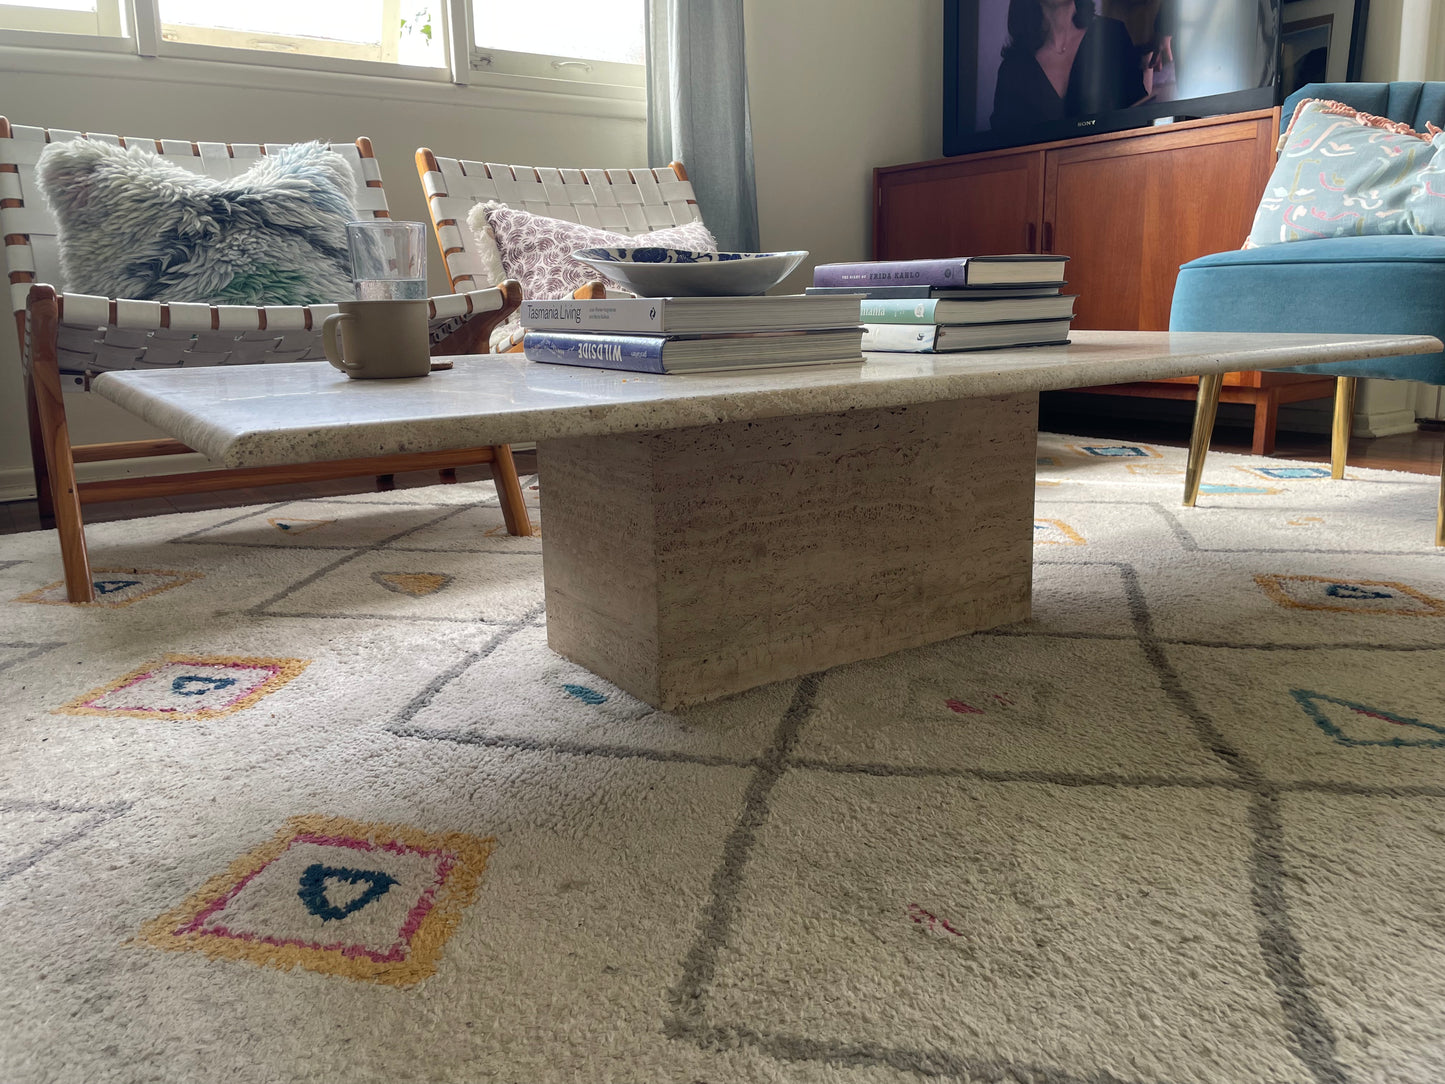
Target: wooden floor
1419	452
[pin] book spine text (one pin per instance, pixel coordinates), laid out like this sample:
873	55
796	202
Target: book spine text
898	311
639	354
612	315
938	273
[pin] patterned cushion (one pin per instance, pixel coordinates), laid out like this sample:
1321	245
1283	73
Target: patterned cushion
134	225
537	251
1344	173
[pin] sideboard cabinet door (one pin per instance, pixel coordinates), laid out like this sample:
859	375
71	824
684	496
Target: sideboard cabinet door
987	205
1128	212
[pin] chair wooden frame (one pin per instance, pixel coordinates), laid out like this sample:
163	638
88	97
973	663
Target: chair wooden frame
53	329
627	201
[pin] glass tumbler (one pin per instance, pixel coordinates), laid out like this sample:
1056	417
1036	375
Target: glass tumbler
388	259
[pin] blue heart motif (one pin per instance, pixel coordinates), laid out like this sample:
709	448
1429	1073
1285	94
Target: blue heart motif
1349	590
584	694
313	889
197	685
110	587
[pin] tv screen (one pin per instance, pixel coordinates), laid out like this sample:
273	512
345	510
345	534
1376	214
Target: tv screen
1030	71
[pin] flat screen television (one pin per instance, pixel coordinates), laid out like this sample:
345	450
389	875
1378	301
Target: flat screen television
1030	71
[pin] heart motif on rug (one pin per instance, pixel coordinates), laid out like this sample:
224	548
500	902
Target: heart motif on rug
199	685
318	878
1350	590
416	584
110	587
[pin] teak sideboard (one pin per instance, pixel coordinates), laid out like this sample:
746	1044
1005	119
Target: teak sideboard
1127	208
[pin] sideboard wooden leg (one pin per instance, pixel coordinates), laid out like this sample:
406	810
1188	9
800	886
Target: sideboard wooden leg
1266	418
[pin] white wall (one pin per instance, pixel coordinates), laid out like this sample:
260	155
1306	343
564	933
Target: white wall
1404	39
838	87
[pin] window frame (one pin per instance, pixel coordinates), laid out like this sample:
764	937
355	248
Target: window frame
462	64
57	28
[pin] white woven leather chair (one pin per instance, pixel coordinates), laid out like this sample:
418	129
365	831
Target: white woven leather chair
64	340
627	201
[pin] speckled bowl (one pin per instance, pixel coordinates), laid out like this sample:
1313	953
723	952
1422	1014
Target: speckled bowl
676	272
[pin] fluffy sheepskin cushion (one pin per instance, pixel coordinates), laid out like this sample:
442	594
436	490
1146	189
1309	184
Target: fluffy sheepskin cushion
133	225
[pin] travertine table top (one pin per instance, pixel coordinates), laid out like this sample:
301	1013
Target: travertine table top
260	415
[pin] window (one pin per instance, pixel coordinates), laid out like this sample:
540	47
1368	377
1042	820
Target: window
378	30
96	18
578	37
596	42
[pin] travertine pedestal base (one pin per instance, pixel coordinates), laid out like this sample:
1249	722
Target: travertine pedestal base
687	564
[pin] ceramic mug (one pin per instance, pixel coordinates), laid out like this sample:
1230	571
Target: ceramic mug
378	339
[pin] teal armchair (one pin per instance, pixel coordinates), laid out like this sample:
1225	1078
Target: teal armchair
1361	285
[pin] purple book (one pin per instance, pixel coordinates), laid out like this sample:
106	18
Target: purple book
1027	269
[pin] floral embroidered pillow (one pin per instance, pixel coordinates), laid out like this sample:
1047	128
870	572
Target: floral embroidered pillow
1344	173
537	251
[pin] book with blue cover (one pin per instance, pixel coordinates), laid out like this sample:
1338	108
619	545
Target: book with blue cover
694	353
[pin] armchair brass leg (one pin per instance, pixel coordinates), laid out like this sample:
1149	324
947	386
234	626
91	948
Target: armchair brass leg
1206	406
1344	422
1440	510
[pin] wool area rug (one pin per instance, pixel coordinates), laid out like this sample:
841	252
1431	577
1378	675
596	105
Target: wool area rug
304	796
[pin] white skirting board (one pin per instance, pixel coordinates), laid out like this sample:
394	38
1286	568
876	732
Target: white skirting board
1430	402
18	483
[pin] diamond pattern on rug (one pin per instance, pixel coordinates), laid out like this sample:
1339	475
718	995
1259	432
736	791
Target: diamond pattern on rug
1216	488
482	588
115	587
375	902
188	687
1238	691
304	524
1154	470
1115	451
298	525
1055	532
1287	472
416	584
1357	724
1350	596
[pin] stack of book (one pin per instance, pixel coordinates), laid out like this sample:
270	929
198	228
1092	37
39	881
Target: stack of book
693	334
972	303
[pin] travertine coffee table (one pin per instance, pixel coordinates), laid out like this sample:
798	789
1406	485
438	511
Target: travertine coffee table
709	533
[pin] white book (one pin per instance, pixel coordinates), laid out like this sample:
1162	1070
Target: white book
693	315
930	338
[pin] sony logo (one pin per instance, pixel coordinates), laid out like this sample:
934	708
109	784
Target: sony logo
1087	123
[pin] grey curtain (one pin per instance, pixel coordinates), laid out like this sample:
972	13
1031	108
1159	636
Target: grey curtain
697	111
